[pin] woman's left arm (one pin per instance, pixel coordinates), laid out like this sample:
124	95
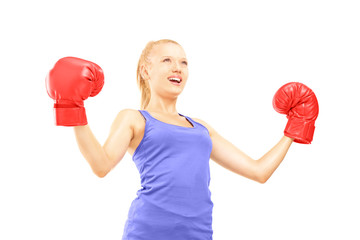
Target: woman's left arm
272	159
300	105
232	158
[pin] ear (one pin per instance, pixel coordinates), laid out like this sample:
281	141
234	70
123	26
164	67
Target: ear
144	72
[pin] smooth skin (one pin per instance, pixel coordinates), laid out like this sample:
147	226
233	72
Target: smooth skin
127	130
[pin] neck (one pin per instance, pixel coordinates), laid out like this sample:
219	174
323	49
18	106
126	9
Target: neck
163	106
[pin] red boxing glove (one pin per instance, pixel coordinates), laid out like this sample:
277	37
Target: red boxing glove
70	82
300	105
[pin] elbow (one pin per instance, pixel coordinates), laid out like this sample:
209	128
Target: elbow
101	170
262	178
100	173
262	175
259	179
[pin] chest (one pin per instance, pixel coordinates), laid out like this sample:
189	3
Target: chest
170	134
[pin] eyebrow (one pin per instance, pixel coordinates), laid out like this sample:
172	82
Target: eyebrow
171	57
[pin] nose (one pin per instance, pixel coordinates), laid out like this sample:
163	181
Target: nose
176	67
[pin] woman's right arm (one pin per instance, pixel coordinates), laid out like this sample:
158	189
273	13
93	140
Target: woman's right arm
104	158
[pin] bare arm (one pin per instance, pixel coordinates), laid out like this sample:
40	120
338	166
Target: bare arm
272	159
104	158
232	158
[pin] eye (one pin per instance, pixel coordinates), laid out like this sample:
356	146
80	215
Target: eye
185	62
166	60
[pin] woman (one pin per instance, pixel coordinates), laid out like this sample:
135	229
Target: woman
170	150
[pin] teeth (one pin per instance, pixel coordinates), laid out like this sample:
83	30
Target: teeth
176	79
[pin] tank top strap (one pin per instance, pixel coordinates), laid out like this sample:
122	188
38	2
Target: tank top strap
145	114
150	118
189	119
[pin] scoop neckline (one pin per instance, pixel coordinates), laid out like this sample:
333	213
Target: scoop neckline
194	125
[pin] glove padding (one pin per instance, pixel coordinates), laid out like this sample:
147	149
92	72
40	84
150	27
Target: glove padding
70	82
300	105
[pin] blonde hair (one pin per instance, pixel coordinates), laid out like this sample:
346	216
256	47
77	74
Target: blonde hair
142	84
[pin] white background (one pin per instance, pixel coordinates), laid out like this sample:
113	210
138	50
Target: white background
240	53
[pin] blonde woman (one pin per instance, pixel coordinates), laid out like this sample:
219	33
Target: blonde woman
170	150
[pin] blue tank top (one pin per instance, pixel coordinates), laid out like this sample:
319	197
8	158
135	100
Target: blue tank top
174	202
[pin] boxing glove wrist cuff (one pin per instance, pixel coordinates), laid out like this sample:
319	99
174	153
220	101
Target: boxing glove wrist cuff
73	116
300	130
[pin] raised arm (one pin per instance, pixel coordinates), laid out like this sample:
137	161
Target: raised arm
300	105
104	158
232	158
70	82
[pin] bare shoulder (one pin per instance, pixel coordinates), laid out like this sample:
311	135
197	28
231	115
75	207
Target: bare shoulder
207	125
127	114
129	117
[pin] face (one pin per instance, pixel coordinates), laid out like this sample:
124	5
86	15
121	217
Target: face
168	61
